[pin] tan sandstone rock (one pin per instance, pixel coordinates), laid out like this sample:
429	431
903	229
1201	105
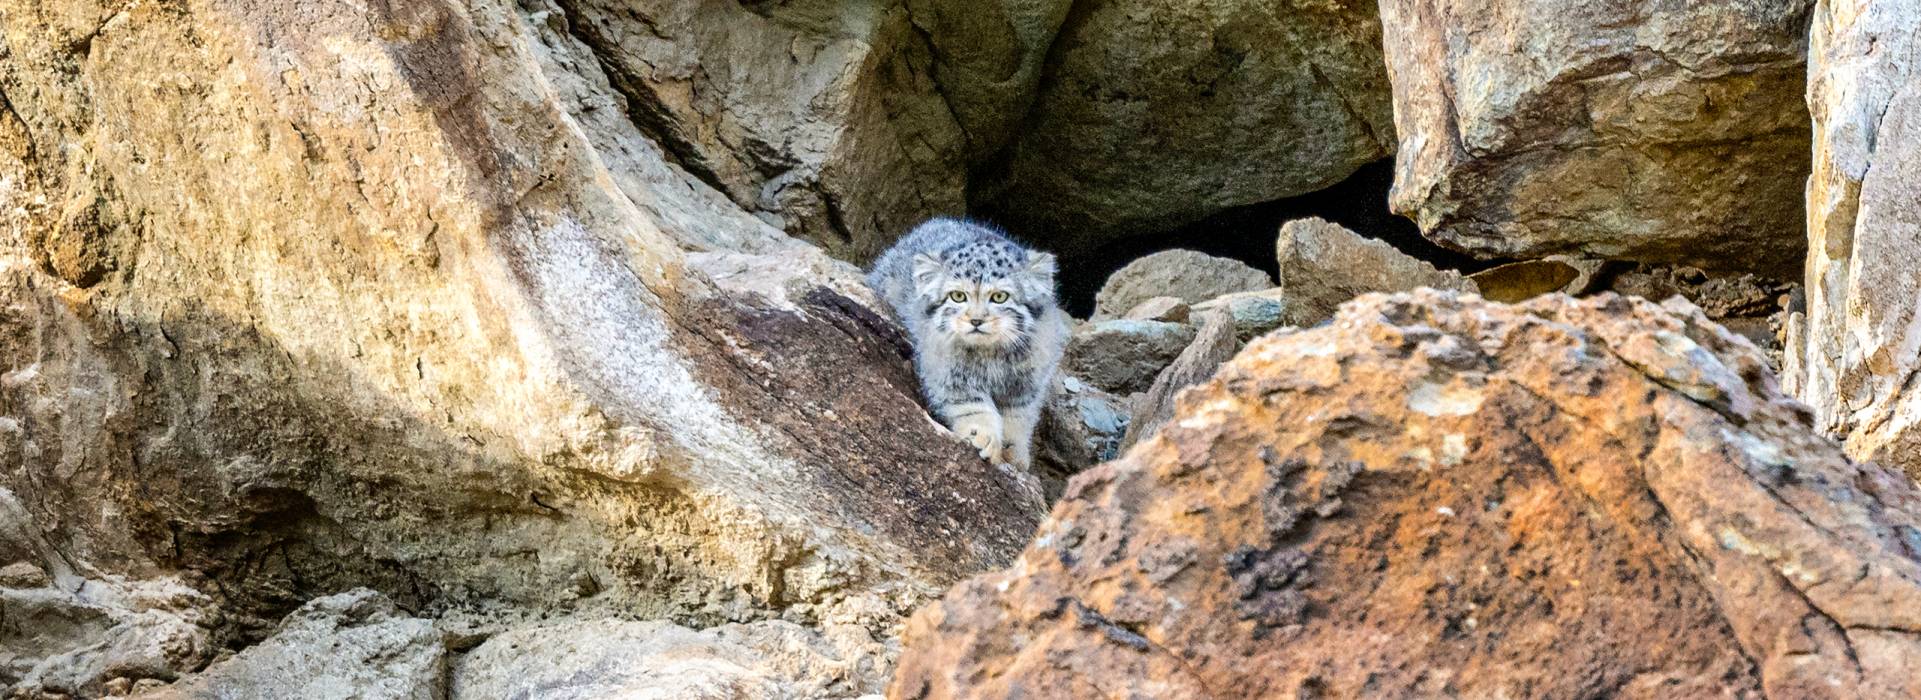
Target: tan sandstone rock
1323	265
1156	113
318	295
1440	496
1521	281
1616	128
1854	353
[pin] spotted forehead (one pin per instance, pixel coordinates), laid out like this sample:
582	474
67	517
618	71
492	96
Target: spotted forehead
985	260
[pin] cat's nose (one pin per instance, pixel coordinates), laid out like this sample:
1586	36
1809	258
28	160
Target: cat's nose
977	321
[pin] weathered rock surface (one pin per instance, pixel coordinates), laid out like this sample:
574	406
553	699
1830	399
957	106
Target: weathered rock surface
1254	313
1190	276
772	659
847	123
1215	343
1121	356
347	645
1081	426
1854	353
1323	265
1169	309
1440	496
320	295
1154	114
1521	281
1743	303
1618	128
89	637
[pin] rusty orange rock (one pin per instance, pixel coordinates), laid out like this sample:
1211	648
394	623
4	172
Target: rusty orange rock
1435	495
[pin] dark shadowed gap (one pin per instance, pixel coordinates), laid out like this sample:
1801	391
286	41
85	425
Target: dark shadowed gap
1248	233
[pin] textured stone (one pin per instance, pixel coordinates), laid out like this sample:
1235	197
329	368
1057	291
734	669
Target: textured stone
1435	495
1121	357
1743	303
1323	265
1524	280
1254	313
1186	275
1214	344
1081	426
400	297
623	659
85	637
1617	128
1155	113
1854	353
347	645
847	123
1169	309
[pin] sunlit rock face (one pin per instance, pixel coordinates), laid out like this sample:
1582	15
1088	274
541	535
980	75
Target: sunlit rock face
322	295
1617	129
1853	353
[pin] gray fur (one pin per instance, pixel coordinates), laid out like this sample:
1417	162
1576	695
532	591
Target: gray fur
987	382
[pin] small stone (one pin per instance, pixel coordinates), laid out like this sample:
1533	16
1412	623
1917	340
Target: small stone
1080	426
1520	281
1169	309
1254	313
1216	343
1123	356
22	574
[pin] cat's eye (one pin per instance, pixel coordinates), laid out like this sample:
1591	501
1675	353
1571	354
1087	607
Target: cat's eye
957	296
998	297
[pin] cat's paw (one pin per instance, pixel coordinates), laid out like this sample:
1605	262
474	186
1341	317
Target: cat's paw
983	433
1015	455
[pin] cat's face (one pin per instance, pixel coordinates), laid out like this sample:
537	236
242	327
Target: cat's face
984	301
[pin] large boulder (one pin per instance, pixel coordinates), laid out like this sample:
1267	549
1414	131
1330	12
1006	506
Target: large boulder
1623	129
1187	276
348	645
1854	353
62	636
1436	495
846	122
770	660
317	295
1323	265
1155	114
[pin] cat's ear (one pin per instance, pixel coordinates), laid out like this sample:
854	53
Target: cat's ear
927	270
1042	265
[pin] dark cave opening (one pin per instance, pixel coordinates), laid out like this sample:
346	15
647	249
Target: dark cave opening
1248	233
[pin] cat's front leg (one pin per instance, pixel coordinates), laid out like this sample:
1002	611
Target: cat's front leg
1017	434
